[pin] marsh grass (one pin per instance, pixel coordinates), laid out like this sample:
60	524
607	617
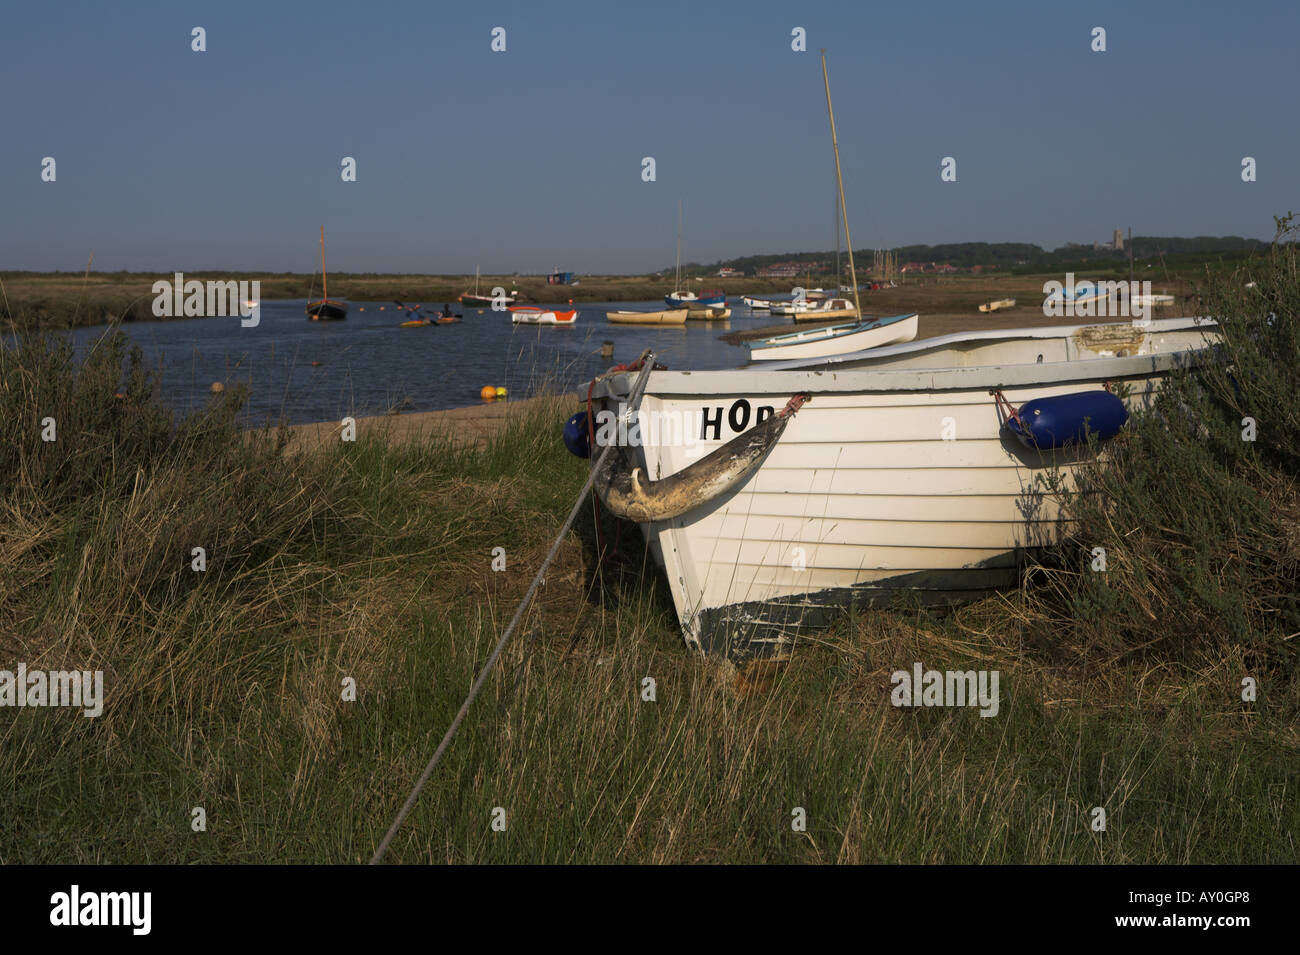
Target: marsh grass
373	561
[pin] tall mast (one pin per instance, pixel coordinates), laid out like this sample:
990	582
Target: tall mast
678	279
837	242
324	282
839	180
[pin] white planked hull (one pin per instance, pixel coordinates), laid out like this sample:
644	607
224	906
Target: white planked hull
895	476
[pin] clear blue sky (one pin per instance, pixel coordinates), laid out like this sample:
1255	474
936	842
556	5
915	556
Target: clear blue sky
531	159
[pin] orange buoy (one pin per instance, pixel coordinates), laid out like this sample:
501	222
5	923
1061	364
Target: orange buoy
488	393
317	364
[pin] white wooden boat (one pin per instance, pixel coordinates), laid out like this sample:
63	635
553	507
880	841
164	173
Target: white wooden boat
998	305
792	308
756	304
827	310
532	315
675	316
707	313
896	475
835	339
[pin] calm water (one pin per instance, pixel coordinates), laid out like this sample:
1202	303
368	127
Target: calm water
367	364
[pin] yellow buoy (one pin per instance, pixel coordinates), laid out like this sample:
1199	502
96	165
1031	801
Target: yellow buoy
488	393
501	392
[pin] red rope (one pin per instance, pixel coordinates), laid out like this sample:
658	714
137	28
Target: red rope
1006	407
793	405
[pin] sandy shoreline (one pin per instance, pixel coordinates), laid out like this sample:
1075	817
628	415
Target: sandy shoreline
474	424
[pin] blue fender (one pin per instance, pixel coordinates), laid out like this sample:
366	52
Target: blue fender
1067	419
576	437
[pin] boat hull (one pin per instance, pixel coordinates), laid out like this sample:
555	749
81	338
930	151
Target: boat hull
825	314
543	316
715	313
482	301
327	310
835	339
676	316
679	299
896	476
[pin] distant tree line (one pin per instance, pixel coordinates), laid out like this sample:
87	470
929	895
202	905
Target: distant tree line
1003	256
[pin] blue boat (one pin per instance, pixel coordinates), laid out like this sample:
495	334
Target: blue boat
710	298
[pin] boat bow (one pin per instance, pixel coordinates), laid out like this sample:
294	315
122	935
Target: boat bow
626	492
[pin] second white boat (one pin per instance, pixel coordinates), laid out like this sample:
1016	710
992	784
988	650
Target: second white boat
835	339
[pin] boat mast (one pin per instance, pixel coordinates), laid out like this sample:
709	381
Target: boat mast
839	180
678	279
838	279
324	282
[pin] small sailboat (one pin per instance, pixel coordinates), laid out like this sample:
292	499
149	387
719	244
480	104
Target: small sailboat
326	309
475	300
532	315
675	316
836	339
998	305
709	298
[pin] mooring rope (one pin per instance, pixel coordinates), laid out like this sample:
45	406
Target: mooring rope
648	364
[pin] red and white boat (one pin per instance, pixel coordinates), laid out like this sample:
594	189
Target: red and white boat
532	315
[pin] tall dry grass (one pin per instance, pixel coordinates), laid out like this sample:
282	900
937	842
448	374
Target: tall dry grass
373	562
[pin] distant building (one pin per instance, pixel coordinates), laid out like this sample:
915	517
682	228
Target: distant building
1118	243
726	272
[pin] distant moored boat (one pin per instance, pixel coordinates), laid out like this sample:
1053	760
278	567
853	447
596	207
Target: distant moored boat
532	315
675	316
475	300
326	309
